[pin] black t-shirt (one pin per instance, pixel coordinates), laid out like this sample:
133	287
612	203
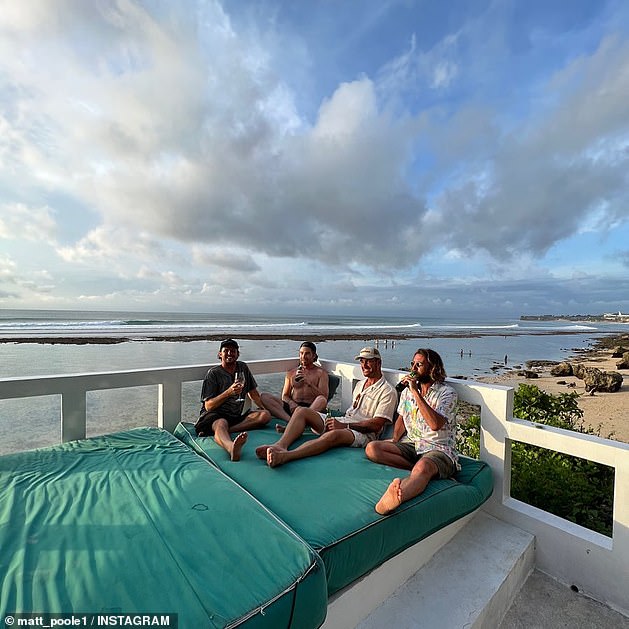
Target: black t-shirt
218	380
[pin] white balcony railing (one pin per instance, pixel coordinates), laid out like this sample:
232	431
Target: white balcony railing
594	563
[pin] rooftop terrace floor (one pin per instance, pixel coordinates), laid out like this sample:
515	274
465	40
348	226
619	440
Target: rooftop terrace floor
544	603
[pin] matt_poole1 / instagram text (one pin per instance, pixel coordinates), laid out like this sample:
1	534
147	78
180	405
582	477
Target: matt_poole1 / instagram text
91	620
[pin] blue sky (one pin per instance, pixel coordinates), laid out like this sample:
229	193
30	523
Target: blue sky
368	157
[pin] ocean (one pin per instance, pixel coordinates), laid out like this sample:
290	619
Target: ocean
469	348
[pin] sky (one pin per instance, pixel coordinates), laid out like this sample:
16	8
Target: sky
403	157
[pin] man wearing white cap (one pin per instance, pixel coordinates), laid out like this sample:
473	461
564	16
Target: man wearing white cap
374	402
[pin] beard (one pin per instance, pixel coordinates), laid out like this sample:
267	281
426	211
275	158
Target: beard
423	378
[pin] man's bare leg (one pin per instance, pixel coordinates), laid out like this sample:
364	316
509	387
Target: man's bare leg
255	419
275	406
276	455
319	404
301	418
387	453
400	491
391	499
223	439
239	442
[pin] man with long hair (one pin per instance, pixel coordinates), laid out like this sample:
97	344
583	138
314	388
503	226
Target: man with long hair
423	435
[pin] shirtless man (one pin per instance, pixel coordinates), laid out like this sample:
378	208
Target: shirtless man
305	385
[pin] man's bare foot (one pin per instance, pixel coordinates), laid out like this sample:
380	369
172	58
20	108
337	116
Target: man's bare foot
391	498
276	456
280	428
239	441
261	452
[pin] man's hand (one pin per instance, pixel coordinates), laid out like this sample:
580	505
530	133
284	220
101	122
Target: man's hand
411	382
331	423
299	374
236	387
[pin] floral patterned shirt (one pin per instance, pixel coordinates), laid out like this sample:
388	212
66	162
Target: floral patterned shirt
443	399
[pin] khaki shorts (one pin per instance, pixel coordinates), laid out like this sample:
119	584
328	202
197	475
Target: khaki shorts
444	463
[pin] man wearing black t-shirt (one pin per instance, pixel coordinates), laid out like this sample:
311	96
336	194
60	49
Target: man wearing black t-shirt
222	402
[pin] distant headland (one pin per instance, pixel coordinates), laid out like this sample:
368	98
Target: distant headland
610	317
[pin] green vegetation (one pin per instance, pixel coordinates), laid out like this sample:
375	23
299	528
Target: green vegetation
570	487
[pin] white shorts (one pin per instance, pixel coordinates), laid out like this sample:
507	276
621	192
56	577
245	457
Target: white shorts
361	439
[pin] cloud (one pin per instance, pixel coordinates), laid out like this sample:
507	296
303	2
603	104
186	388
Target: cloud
190	163
24	284
548	177
17	221
7	269
112	246
228	259
197	139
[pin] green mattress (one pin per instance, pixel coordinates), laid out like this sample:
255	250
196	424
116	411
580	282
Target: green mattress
137	522
329	501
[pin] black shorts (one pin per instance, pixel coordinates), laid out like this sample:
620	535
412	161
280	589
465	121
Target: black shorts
287	407
206	420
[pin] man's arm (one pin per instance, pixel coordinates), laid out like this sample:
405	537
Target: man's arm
399	429
368	425
434	419
385	409
218	400
288	386
254	394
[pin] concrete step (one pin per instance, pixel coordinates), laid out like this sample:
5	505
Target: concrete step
470	582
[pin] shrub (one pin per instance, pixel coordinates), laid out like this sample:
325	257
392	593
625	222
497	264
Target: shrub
570	487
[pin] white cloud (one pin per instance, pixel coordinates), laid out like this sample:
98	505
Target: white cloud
17	221
545	184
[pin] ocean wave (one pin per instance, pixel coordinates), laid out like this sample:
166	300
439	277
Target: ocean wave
488	326
373	326
37	325
575	327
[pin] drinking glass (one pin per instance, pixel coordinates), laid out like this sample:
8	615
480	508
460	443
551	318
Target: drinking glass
240	377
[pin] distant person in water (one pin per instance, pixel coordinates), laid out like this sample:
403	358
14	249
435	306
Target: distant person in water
374	402
423	435
306	385
223	395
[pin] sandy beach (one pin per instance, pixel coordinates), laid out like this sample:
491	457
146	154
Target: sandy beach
609	411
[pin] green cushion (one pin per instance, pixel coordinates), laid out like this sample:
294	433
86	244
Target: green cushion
329	501
137	522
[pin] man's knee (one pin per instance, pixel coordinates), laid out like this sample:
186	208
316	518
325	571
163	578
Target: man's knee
307	417
220	424
263	417
426	467
299	414
338	438
319	402
372	450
